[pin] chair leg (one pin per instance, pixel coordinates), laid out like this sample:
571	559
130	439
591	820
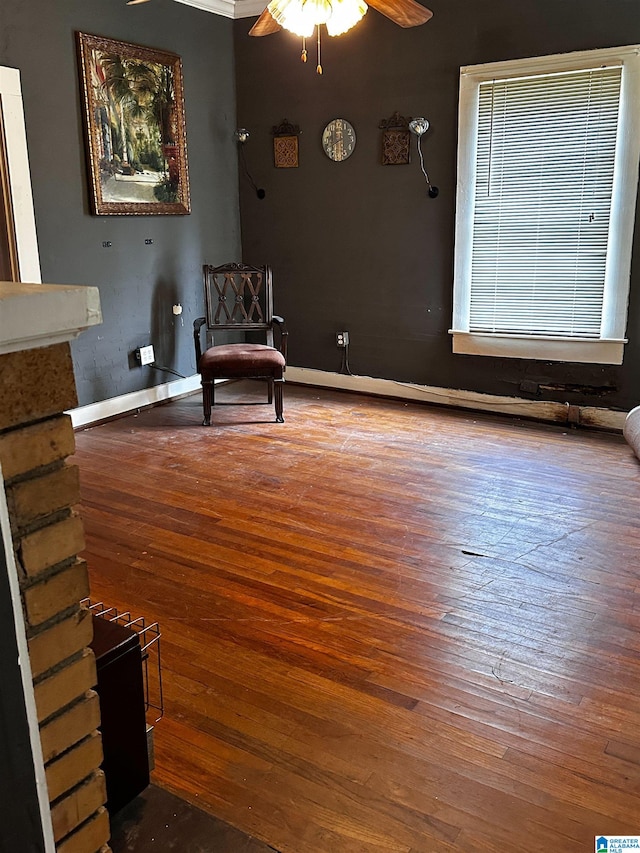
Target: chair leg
278	383
269	391
207	400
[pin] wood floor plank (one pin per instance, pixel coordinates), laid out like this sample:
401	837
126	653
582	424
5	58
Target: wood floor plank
387	628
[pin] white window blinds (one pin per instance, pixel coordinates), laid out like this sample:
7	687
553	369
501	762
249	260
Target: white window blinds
544	176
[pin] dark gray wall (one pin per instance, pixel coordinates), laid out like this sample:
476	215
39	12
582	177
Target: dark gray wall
138	283
360	246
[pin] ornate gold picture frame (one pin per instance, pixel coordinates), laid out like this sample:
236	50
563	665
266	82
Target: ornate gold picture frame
135	128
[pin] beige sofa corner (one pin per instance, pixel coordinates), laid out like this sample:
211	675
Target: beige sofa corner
631	429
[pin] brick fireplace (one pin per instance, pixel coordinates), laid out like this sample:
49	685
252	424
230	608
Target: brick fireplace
36	438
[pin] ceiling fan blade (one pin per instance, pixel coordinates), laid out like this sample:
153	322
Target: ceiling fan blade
405	13
265	25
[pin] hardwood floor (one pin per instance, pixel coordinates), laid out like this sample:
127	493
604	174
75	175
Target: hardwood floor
386	627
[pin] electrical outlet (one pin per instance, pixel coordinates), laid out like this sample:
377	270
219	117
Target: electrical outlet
145	355
342	339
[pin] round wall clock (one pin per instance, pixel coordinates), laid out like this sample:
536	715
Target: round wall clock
338	139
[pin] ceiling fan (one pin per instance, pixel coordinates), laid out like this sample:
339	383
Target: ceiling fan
303	16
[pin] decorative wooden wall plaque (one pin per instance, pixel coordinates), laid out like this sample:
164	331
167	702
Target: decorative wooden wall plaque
396	139
285	145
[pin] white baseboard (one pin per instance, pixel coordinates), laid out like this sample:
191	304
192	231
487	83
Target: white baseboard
115	406
515	406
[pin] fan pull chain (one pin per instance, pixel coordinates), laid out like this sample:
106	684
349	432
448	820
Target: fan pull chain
319	66
303	55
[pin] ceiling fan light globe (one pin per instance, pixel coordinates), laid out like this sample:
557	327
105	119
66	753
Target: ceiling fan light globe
291	16
345	14
318	11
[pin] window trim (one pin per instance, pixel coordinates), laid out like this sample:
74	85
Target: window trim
609	348
21	197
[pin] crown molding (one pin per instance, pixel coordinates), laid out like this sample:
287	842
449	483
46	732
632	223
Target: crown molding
228	8
249	8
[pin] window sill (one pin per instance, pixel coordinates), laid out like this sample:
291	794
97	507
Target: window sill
581	350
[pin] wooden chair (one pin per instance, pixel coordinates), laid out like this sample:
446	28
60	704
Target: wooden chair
240	297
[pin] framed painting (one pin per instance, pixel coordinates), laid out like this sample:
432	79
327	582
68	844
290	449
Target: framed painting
135	128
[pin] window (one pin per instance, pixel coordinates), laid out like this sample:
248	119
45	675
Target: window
547	181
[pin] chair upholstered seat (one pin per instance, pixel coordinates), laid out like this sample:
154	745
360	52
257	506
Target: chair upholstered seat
228	361
239	299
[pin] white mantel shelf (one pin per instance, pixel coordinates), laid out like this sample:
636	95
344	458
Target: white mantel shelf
37	315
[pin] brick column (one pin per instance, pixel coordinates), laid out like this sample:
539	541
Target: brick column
36	387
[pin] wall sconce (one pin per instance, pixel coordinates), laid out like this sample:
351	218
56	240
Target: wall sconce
419	126
242	136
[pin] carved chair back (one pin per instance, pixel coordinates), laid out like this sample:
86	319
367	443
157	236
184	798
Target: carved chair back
240	297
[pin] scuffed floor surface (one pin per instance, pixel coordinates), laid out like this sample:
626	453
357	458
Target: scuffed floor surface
386	627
